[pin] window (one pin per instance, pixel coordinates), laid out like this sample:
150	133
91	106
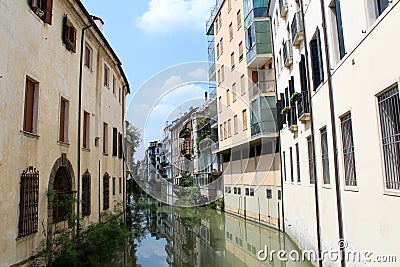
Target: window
244	119
229	5
249	192
310	160
120	147
221	45
382	5
235	190
233	61
218	53
220	20
88	56
279	195
105	138
31	106
86	129
284	165
291	164
269	193
114	84
106	76
235	125
115	142
225	131
239	191
228	97
228	189
239	19
348	151
240	51
234	95
229	128
86	197
298	163
316	60
113	186
242	85
43	9
389	108
325	156
29	202
219	76
222	73
337	28
69	35
230	32
221	132
119	95
64	116
120	185
216	26
106	191
220	104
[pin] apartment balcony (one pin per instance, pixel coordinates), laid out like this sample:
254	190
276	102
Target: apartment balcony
186	132
186	149
283	7
265	84
297	29
288	53
210	21
258	43
263	117
211	60
292	119
303	107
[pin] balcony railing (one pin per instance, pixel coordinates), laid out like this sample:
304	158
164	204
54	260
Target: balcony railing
283	6
297	29
288	53
292	119
214	12
303	107
265	84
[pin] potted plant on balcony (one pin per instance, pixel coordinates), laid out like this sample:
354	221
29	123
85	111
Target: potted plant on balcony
39	12
69	44
294	97
285	110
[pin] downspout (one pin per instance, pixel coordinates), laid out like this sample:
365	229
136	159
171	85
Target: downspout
123	97
79	123
316	194
99	191
279	133
334	137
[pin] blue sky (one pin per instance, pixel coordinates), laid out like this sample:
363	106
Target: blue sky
150	36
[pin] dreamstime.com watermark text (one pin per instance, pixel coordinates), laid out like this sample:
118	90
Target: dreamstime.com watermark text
331	255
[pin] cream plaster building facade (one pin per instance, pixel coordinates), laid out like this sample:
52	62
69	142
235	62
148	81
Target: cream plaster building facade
53	88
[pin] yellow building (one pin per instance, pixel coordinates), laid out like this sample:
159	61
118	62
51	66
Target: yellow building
62	122
240	52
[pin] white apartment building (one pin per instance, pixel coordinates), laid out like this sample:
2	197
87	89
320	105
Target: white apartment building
240	52
337	86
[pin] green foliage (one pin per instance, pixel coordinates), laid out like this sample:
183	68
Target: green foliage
285	110
204	129
294	97
136	138
186	180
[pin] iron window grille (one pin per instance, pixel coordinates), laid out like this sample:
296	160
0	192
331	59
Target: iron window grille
310	160
63	198
291	164
86	197
348	151
29	202
325	156
298	163
106	191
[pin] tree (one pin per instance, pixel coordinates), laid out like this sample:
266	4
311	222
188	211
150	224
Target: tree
134	133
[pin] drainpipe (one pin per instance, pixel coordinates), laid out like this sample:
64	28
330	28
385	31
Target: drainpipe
334	136
99	191
279	138
316	193
79	123
123	97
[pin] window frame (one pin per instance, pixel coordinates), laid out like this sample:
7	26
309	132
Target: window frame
88	56
33	123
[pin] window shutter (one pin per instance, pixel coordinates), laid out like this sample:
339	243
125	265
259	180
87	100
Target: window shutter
31	3
303	76
65	30
73	39
291	85
315	64
49	11
287	97
339	28
321	67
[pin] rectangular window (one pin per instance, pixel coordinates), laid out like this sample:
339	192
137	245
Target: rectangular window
106	76
225	131
43	9
242	85
221	132
106	192
310	160
119	95
382	5
115	142
113	186
222	73
389	113
69	35
220	20
244	119
240	51
120	185
316	60
88	56
64	116
348	151
29	202
86	198
230	32
218	53
239	191
221	46
229	5
235	190
298	163
228	97
120	146
325	156
291	164
114	84
249	192
220	104
235	125
279	195
239	19
234	94
233	60
284	165
31	106
269	193
337	28
229	128
105	138
86	129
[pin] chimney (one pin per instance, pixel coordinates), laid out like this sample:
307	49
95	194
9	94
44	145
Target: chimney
99	22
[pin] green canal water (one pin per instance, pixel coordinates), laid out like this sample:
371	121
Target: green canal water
171	236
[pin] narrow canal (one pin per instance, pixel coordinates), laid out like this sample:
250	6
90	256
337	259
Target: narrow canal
171	236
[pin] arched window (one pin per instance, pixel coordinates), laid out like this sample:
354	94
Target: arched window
63	198
86	197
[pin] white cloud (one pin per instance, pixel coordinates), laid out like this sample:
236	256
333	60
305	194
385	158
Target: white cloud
165	16
200	74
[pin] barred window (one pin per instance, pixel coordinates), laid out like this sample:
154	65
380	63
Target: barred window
348	151
29	202
106	191
389	112
310	160
291	164
298	163
325	155
86	197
